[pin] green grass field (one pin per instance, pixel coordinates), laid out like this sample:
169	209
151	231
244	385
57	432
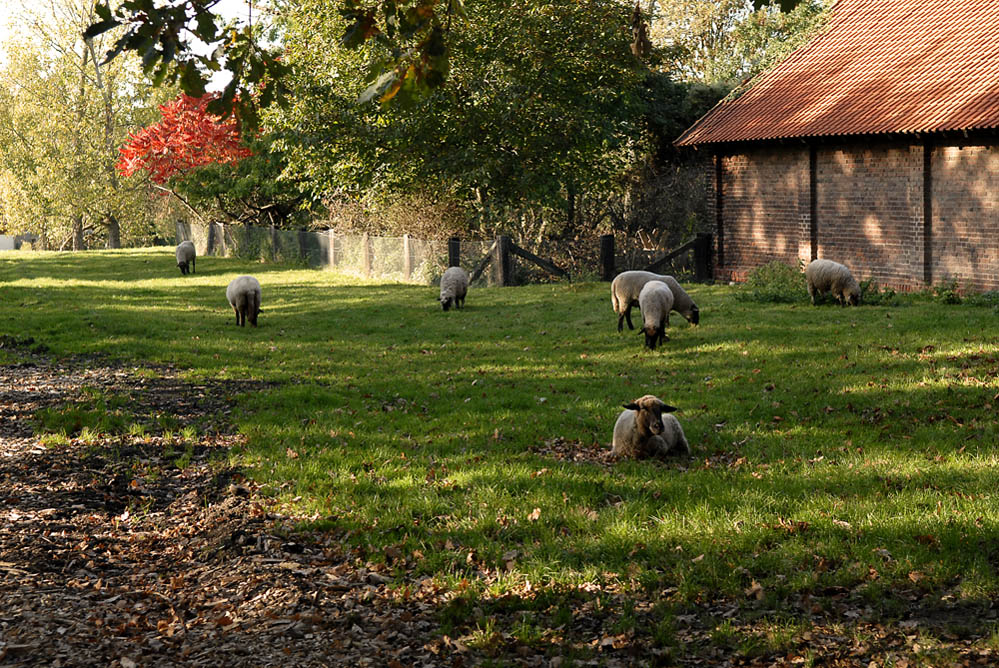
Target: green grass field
833	449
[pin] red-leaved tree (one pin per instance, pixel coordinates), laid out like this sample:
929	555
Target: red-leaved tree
185	138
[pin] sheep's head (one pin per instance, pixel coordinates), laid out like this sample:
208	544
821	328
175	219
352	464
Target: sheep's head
650	411
183	266
653	336
694	316
853	294
446	302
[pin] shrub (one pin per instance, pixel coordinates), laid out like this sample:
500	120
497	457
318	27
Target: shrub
875	295
775	282
990	298
947	293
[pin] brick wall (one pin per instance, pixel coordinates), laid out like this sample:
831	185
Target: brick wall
869	211
966	216
765	209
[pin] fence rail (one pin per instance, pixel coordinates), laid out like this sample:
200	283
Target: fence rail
412	260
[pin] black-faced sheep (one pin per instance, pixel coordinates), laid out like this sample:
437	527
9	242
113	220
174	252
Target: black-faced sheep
454	287
627	286
185	257
827	276
642	430
655	300
243	294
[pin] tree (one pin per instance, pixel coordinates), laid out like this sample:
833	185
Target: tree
415	34
207	164
185	137
712	41
62	118
542	107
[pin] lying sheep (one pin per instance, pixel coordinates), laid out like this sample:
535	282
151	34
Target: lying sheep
828	276
627	286
243	294
185	257
655	300
643	431
454	287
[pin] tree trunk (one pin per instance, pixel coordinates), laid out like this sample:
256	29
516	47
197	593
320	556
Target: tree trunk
78	233
114	230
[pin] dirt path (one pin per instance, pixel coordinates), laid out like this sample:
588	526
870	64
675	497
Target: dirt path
136	550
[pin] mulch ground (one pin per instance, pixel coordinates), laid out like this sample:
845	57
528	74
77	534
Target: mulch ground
144	549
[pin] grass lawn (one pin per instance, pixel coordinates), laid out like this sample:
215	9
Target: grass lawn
844	460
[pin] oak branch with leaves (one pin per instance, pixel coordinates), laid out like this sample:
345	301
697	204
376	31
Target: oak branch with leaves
413	31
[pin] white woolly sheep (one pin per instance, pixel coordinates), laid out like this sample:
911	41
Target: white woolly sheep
655	300
185	257
243	294
627	286
828	276
454	287
642	430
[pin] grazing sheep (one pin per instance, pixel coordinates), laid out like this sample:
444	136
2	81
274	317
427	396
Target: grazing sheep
655	300
185	257
643	431
243	294
828	276
627	286
454	287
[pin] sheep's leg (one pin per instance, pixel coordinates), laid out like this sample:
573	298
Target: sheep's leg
236	309
811	293
620	322
627	315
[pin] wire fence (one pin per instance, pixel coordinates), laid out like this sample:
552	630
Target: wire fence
422	261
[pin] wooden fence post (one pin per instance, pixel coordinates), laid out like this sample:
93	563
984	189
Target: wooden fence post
702	256
607	257
366	254
210	244
407	258
331	250
454	252
274	243
503	264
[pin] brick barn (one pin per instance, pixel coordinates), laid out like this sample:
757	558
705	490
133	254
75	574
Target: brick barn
874	145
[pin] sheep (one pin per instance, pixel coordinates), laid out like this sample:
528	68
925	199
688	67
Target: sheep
627	286
243	294
642	430
828	276
655	300
185	257
454	287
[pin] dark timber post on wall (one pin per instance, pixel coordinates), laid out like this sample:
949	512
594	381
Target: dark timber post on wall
813	200
607	257
454	252
503	262
928	212
719	210
702	256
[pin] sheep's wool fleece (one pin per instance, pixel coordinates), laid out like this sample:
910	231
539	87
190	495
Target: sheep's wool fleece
242	285
185	251
655	300
628	442
826	275
454	283
627	286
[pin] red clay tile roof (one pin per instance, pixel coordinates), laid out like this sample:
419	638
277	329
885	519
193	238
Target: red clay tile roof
880	66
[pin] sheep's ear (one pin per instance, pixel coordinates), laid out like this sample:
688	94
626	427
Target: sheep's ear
668	409
632	406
